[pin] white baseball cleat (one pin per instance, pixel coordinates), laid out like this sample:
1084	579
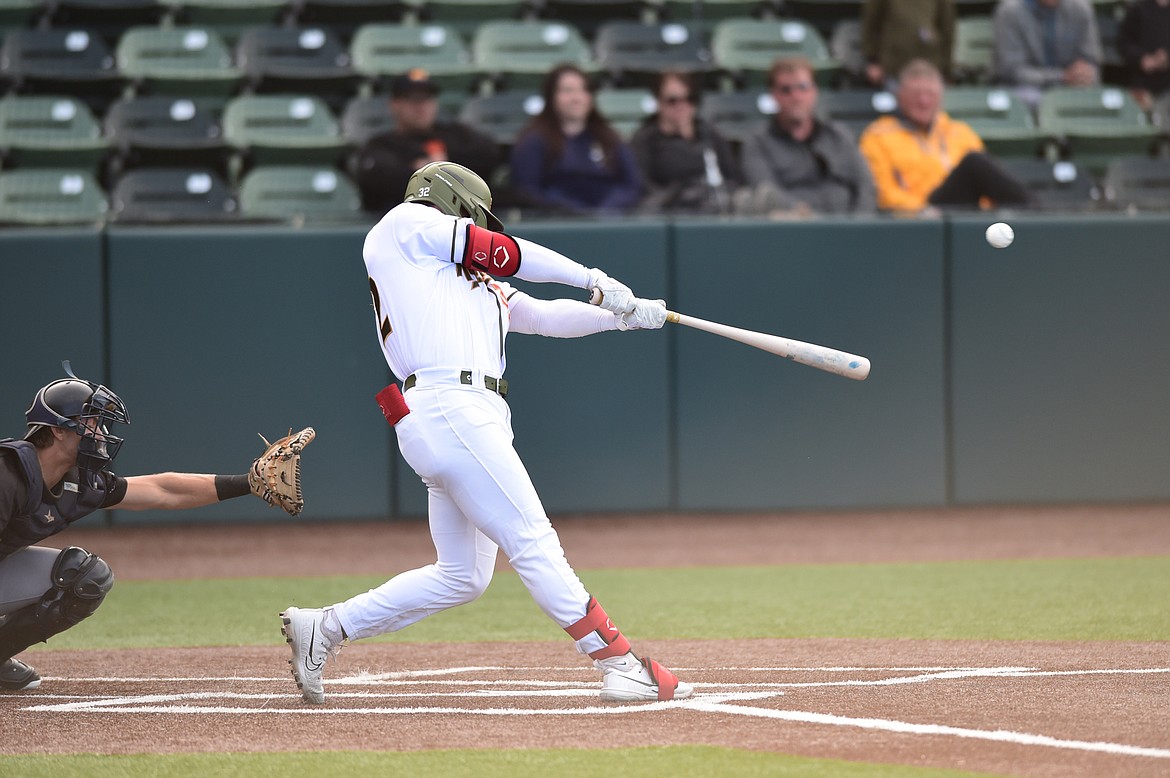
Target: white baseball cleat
630	679
310	648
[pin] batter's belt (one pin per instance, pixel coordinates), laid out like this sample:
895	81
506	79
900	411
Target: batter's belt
466	377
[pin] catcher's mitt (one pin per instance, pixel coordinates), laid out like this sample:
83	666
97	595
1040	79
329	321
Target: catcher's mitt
275	476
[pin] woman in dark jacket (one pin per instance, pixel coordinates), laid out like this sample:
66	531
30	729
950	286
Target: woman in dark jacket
685	163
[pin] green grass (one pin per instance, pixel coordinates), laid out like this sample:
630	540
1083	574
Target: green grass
1079	599
627	762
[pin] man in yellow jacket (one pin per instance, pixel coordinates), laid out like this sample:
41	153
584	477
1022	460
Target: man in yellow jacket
923	159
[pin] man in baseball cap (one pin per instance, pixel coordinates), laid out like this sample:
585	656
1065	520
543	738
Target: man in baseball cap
418	137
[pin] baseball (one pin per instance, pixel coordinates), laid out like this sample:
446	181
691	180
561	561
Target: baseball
1000	235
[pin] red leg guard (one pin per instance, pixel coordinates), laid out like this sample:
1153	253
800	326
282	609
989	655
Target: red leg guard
666	680
596	620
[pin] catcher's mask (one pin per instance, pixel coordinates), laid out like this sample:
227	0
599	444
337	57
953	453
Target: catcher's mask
86	408
454	190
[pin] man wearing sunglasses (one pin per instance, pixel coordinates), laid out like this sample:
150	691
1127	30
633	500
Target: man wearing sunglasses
59	473
799	163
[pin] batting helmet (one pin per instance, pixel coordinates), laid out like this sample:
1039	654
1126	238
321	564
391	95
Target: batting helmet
86	408
454	190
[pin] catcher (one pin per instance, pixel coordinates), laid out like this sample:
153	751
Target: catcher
59	473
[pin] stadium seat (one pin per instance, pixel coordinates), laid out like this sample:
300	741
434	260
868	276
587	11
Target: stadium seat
1094	124
345	17
16	14
1138	183
364	116
299	193
382	51
845	47
588	15
227	17
108	18
822	14
625	109
50	196
43	131
998	116
502	116
185	61
632	53
974	50
467	15
856	108
282	129
517	55
737	115
744	49
297	59
61	61
165	131
706	12
1056	186
168	195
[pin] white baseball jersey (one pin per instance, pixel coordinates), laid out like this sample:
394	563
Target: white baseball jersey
433	311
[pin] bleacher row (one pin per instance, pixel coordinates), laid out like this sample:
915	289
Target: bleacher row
254	107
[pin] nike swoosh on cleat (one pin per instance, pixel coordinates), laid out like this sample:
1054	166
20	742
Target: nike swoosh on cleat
311	666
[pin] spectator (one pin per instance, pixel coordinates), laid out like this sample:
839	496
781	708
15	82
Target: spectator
923	160
569	159
1143	41
1044	43
685	163
893	32
388	160
800	164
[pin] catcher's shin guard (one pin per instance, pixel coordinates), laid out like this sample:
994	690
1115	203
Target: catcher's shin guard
81	581
597	622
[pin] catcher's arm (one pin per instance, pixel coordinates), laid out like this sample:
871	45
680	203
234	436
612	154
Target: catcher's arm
275	476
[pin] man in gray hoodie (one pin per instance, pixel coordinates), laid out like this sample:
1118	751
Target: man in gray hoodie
1045	43
800	164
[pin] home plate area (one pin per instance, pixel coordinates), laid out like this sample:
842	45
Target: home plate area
776	693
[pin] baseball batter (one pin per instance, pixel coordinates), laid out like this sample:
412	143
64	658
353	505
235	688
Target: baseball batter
442	318
58	474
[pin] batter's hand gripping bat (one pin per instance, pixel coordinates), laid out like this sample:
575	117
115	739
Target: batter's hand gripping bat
821	357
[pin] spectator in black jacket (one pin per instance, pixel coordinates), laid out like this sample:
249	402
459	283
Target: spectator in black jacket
389	159
1143	41
685	163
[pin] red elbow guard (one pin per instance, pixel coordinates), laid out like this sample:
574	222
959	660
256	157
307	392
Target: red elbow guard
494	253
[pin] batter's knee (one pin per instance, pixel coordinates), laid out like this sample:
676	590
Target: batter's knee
468	585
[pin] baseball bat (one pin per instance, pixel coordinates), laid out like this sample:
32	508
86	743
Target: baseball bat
830	360
821	357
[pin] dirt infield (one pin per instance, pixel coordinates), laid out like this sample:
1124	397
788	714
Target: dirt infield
1016	708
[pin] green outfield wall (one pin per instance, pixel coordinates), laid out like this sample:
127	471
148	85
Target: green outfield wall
1037	373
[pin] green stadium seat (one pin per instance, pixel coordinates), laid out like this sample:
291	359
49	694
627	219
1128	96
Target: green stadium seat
517	55
588	15
845	47
822	14
744	49
381	52
1095	124
467	15
50	196
108	18
187	61
299	193
974	50
283	129
17	14
44	131
1138	184
625	109
230	18
633	53
345	17
999	117
706	12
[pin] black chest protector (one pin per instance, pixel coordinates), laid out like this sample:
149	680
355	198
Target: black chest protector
44	513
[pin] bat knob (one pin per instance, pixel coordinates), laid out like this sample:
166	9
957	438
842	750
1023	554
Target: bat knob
596	295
